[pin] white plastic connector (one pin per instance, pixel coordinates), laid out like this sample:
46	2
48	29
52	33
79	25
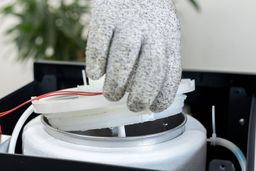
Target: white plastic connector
121	131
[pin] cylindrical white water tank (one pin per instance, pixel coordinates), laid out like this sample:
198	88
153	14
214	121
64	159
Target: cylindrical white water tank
178	144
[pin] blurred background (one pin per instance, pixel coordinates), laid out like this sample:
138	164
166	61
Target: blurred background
217	35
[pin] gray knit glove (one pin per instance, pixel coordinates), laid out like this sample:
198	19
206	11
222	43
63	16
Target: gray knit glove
136	43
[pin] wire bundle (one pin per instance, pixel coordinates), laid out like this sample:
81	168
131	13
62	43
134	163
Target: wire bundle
51	94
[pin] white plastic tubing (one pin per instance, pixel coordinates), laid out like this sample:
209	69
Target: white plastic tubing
232	147
214	140
18	127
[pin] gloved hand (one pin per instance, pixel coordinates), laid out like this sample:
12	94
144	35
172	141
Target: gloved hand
137	44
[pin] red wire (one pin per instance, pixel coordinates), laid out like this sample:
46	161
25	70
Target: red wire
1	132
51	94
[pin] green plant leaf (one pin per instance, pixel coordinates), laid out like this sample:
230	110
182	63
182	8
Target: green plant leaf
195	4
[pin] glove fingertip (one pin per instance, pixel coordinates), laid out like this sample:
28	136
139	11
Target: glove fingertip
112	92
136	104
158	107
165	97
112	96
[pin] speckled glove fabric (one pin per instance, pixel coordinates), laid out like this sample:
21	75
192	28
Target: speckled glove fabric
136	43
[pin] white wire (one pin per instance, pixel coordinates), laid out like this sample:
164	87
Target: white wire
17	129
213	120
84	77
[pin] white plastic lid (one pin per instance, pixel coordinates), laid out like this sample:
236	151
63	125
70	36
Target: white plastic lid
73	113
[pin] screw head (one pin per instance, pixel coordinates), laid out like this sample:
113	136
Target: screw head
165	124
242	121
